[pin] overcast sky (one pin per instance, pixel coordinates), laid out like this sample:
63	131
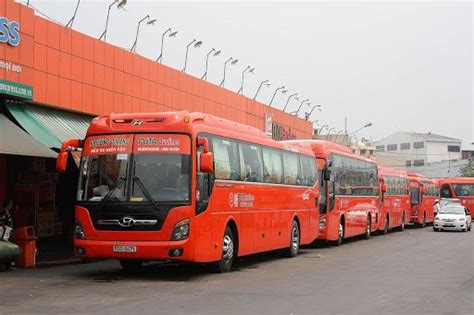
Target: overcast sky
402	65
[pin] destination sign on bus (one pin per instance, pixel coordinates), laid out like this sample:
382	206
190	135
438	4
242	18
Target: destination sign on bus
106	144
162	143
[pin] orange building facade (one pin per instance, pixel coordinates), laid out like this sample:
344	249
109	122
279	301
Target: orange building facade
73	71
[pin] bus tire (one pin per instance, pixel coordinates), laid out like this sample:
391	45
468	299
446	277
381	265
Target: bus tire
131	265
341	232
387	224
368	228
423	223
228	253
294	240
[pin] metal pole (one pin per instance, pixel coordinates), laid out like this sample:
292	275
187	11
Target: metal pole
104	34
186	58
160	57
259	87
288	100
204	76
71	21
225	66
273	97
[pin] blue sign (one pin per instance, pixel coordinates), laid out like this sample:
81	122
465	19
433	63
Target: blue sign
9	32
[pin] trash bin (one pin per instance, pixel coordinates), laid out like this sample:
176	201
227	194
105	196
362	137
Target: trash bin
25	238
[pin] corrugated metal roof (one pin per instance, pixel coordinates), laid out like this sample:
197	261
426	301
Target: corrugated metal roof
65	125
48	125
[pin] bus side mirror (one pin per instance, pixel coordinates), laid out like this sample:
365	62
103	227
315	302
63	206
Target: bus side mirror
384	188
206	162
206	159
423	190
327	174
61	162
204	143
68	145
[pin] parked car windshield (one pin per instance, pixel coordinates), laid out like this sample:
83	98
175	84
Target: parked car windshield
452	210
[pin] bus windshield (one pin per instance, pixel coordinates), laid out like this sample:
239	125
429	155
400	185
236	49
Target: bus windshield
164	177
464	190
140	168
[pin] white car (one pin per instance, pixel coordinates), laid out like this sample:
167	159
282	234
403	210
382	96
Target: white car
452	217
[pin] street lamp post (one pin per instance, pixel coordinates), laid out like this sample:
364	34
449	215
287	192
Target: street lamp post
337	134
289	98
216	53
172	34
359	129
71	21
250	70
308	114
322	128
120	4
232	62
299	107
149	22
264	82
276	90
197	44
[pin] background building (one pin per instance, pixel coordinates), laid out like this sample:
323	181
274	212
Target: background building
418	149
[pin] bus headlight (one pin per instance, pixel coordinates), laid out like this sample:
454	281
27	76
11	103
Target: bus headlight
180	231
79	231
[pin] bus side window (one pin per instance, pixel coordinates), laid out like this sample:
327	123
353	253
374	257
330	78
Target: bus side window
446	191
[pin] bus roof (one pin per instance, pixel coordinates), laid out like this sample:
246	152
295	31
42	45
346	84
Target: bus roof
164	121
323	149
388	171
457	180
184	122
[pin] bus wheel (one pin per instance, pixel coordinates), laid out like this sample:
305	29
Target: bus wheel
131	265
294	240
423	223
340	234
402	226
228	253
387	224
368	228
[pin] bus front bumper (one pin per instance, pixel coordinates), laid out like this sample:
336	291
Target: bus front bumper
139	250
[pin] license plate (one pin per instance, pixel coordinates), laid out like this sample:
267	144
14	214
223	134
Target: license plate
448	225
125	249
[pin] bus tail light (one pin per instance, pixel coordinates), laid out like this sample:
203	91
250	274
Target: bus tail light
180	231
322	223
79	231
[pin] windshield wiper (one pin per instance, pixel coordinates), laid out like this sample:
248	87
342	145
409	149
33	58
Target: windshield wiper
111	192
145	192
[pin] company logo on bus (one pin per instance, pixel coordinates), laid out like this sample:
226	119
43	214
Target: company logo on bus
9	32
137	123
126	222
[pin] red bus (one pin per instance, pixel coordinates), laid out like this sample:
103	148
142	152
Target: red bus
423	193
395	199
461	188
349	191
189	187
